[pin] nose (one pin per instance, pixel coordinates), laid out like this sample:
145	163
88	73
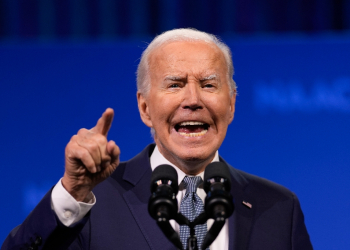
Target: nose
192	97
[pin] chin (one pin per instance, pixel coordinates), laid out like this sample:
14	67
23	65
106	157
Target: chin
190	150
195	155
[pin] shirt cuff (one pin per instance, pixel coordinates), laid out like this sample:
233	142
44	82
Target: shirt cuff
67	209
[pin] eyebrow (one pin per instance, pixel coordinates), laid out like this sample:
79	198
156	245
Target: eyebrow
180	78
211	77
174	78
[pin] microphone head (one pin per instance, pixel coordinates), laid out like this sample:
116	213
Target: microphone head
217	184
165	172
217	170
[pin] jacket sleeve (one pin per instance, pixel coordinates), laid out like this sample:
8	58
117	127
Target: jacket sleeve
300	237
42	230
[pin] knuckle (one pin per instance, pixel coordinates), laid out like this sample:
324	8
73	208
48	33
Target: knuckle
72	142
70	148
82	131
73	138
69	154
92	146
84	154
100	139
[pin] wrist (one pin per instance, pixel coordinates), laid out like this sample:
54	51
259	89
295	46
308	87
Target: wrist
77	189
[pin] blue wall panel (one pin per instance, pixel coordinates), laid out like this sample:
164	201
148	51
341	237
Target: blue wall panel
291	125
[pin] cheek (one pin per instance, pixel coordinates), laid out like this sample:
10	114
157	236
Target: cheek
162	109
220	108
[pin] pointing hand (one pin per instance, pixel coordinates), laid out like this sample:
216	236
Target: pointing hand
90	158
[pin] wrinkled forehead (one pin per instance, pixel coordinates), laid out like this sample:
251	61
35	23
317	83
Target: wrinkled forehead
174	53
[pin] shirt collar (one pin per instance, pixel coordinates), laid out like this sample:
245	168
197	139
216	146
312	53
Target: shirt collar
158	159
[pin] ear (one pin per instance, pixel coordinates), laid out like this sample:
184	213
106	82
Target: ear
144	109
232	105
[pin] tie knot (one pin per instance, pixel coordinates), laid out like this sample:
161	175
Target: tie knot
191	183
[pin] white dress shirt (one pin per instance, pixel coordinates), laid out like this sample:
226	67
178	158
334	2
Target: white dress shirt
69	211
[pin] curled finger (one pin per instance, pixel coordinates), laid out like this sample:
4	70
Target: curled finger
92	147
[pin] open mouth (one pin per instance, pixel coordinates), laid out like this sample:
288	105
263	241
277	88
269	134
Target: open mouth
192	129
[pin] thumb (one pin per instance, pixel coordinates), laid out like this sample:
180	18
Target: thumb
113	150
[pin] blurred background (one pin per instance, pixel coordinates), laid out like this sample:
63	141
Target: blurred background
63	62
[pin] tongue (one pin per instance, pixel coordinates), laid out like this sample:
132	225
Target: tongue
191	129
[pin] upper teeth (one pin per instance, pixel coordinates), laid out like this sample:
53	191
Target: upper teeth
191	123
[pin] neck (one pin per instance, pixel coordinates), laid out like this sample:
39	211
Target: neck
190	166
193	167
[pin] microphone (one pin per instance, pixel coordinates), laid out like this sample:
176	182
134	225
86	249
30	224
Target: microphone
219	202
162	205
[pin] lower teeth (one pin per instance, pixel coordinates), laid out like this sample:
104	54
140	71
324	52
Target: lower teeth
194	134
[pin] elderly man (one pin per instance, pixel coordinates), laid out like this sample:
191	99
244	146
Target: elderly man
186	95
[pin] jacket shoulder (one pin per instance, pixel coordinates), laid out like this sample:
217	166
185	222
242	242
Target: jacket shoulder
260	185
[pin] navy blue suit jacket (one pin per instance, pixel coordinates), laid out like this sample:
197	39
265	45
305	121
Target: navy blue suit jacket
120	219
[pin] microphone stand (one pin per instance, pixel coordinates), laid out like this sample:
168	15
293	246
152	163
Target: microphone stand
218	205
164	224
192	239
213	232
220	216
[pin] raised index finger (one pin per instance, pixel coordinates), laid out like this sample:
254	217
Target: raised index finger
104	123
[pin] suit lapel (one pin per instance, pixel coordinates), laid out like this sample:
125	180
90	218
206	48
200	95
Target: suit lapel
240	222
138	172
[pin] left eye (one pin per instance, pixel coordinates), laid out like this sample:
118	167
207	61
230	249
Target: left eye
208	86
174	85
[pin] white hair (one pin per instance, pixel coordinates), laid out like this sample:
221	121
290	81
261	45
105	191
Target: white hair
189	34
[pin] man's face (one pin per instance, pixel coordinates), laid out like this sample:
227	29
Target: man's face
189	103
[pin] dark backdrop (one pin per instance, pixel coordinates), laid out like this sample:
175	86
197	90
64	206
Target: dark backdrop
52	19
